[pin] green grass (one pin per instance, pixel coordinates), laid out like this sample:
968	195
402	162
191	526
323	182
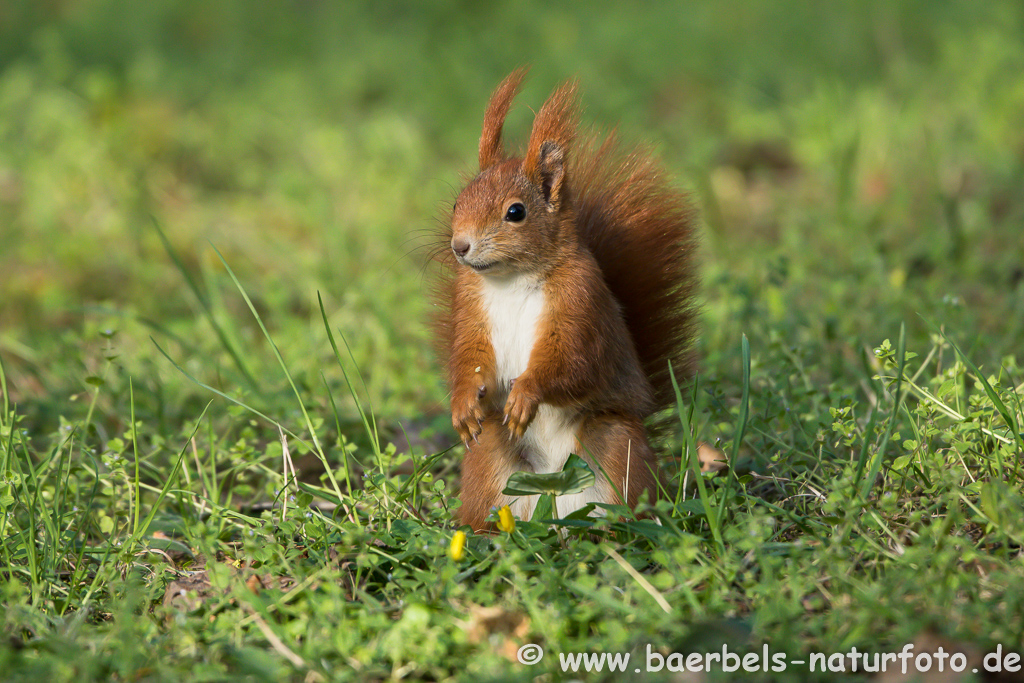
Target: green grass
225	451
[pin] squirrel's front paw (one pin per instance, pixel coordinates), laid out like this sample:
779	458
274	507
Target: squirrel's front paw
468	415
521	406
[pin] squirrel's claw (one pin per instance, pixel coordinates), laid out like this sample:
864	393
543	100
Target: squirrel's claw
520	409
468	420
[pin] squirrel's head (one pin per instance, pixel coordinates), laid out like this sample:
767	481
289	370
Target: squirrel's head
515	215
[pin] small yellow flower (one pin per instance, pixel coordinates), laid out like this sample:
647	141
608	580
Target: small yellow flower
458	547
506	522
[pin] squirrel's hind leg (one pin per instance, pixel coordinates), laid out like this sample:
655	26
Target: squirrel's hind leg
485	469
626	462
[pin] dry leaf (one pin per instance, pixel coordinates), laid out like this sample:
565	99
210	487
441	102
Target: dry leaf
485	623
710	458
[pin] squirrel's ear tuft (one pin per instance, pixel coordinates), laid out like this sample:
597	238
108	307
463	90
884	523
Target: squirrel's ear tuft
551	173
553	131
491	149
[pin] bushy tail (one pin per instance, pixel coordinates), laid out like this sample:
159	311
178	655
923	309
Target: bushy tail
641	232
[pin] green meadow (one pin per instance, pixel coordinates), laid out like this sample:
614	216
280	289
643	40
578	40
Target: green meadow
225	446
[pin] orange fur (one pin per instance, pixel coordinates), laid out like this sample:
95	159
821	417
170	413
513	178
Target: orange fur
566	293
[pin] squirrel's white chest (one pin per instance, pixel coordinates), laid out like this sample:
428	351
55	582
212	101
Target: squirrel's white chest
514	308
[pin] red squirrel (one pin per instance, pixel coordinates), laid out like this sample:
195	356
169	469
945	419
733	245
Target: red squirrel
567	291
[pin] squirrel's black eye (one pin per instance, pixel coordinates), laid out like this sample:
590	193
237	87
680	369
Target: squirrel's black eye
515	213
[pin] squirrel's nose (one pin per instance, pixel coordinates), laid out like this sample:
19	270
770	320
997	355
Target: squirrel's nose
460	246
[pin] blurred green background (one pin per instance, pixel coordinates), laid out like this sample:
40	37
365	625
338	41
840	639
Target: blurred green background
856	164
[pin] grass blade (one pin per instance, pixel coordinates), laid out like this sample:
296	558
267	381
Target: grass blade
140	531
284	367
745	401
1006	413
220	393
862	457
135	451
691	447
207	309
369	423
337	426
3	390
876	462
